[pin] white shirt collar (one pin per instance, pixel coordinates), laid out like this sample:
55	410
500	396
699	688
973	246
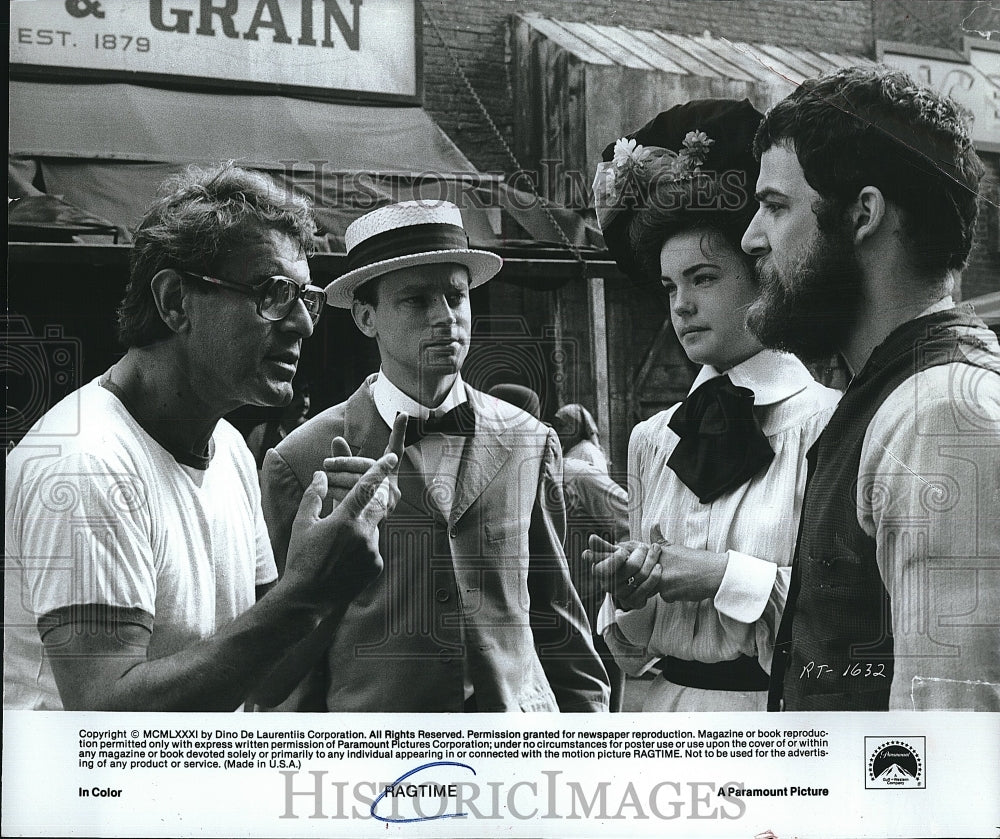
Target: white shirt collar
772	376
390	400
942	305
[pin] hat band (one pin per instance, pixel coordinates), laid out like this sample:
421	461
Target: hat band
407	241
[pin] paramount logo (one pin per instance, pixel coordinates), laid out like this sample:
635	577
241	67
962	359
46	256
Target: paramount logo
895	763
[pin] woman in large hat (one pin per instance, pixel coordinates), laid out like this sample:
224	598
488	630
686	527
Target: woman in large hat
715	482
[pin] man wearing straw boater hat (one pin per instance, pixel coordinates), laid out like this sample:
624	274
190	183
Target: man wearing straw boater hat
474	610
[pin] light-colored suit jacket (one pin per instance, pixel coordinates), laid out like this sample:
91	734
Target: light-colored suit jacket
484	595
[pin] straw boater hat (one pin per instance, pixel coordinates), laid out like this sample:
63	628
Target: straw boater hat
403	235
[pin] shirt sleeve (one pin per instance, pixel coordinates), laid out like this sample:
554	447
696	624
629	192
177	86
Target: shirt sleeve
746	587
87	539
754	591
637	450
929	481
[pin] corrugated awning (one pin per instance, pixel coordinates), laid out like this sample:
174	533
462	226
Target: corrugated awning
660	51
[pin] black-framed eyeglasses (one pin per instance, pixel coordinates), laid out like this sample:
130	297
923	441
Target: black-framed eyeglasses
276	296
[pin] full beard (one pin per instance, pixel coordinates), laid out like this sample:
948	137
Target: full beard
813	314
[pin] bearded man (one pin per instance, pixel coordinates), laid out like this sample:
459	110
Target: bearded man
868	204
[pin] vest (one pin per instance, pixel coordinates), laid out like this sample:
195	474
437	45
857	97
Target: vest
838	615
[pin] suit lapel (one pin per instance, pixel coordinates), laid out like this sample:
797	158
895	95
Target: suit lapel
482	458
365	431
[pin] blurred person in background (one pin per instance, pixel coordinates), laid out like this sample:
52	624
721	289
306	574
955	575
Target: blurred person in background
595	504
579	436
520	397
267	435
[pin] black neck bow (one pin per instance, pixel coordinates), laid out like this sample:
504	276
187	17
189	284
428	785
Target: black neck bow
722	445
460	421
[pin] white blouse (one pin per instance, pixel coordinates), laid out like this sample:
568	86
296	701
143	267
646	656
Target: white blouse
756	524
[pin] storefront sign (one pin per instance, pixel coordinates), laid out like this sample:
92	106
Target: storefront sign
974	83
358	47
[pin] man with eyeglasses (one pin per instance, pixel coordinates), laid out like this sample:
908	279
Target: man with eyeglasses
135	543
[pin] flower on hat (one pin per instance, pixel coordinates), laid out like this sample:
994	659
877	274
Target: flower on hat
620	183
693	152
696	142
627	153
629	163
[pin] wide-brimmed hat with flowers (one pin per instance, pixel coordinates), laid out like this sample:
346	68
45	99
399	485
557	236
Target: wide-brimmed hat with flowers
707	143
404	235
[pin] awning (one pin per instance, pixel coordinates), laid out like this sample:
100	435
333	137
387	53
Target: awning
702	56
105	148
152	125
581	85
46	218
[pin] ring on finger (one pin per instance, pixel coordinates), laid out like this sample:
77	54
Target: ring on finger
630	582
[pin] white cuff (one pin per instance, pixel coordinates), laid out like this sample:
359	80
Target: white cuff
606	616
638	620
746	587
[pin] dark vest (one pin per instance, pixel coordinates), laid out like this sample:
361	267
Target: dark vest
838	615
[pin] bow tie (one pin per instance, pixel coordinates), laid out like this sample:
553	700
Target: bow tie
722	445
459	421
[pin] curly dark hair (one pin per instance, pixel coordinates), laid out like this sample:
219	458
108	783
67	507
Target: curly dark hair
877	127
682	206
199	214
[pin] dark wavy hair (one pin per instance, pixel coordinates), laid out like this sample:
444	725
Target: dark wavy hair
877	127
199	214
683	206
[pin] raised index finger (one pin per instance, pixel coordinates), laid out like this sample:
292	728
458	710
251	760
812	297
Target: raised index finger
339	447
397	435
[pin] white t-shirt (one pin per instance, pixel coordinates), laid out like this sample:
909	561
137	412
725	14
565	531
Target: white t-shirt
98	512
